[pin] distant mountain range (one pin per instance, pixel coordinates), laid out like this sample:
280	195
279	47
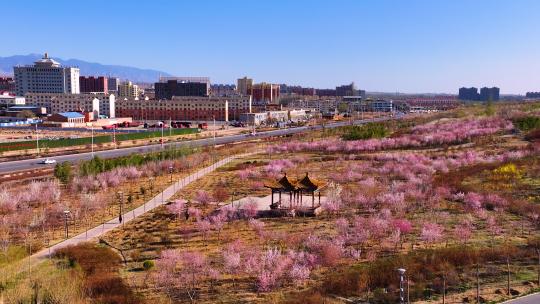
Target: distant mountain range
87	68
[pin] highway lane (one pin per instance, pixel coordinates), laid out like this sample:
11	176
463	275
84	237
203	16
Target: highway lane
28	164
529	299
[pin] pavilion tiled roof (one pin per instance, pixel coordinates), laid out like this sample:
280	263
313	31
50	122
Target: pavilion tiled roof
285	184
290	184
309	184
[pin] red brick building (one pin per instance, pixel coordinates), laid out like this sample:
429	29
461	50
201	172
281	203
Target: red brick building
7	84
190	108
90	84
264	93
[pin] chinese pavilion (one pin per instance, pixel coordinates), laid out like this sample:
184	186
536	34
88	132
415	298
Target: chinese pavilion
295	189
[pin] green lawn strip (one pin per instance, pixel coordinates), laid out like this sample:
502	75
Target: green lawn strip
68	142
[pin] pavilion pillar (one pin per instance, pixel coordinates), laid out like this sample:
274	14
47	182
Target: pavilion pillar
319	198
272	204
290	199
312	199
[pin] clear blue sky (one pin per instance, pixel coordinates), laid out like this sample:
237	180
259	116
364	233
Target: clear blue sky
405	46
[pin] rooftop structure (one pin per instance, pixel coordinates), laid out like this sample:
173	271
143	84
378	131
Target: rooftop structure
165	79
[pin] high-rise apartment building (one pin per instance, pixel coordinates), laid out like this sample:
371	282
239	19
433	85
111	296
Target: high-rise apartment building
46	76
489	94
128	89
223	90
112	84
175	87
469	94
89	84
347	90
244	85
7	84
326	92
264	93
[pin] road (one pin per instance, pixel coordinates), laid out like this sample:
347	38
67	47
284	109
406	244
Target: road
530	299
29	164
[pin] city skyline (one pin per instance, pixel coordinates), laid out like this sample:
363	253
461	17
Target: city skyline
412	47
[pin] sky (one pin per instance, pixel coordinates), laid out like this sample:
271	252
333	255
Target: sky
417	46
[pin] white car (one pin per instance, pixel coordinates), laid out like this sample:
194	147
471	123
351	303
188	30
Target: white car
48	161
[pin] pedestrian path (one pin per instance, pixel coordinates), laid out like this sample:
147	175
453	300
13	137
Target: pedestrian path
156	201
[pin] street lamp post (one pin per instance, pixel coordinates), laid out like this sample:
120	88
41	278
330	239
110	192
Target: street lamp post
214	131
144	201
121	197
151	180
162	140
66	214
171	168
37	139
114	136
401	285
92	128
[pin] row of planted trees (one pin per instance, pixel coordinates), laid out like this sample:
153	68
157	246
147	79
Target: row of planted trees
496	272
36	213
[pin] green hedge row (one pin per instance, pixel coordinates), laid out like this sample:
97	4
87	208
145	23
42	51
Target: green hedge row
99	165
367	131
527	123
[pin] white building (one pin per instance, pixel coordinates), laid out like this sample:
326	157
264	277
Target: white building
98	103
7	100
46	76
320	105
271	117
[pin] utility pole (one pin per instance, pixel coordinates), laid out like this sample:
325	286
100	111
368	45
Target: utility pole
444	289
408	294
507	276
538	252
478	283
